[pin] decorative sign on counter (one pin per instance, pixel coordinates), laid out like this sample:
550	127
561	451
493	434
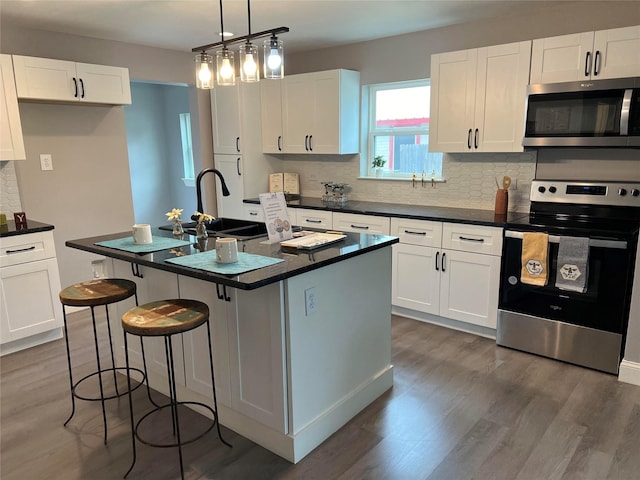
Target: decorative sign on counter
276	216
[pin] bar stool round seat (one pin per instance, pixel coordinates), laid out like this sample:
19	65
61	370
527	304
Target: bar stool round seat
165	318
95	293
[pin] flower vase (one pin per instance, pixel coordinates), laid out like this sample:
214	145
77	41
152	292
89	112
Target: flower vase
201	230
177	228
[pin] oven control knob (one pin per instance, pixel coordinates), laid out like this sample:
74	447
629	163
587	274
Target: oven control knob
622	192
635	192
552	189
541	189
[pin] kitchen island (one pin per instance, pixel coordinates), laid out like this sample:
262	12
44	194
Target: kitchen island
300	346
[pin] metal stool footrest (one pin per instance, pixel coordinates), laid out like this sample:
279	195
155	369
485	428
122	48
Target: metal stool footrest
117	393
158	410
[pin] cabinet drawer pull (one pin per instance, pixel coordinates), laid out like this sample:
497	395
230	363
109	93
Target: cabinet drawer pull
596	63
475	139
82	87
238	166
437	258
480	240
255	214
360	227
75	87
587	64
309	220
306	142
310	144
135	270
32	247
444	256
409	232
238	144
279	143
469	139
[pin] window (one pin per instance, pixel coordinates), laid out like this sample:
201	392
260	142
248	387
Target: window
399	131
187	149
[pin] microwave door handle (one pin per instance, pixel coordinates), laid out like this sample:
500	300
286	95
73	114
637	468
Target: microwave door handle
587	64
624	113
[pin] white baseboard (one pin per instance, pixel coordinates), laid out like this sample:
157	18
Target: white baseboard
629	372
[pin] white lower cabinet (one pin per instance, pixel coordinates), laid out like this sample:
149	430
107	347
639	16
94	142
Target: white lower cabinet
313	218
29	287
447	269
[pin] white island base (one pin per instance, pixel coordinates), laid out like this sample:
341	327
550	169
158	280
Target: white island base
288	374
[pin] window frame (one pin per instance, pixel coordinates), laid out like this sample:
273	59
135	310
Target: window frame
373	131
186	141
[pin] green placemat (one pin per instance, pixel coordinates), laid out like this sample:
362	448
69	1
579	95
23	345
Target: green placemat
207	261
158	243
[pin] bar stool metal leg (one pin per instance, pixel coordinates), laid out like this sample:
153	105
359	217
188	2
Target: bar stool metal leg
95	340
213	386
66	341
133	429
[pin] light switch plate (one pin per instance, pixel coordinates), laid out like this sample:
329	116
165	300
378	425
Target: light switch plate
46	162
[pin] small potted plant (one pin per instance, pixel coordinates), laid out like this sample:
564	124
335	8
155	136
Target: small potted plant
377	164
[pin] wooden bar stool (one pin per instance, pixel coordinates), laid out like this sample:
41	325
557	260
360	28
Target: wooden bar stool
91	294
166	318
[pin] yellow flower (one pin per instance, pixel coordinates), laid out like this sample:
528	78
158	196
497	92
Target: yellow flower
174	214
204	217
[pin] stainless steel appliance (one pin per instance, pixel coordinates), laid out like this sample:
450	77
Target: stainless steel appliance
599	113
587	328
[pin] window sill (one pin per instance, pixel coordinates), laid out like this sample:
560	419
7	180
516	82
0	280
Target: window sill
403	179
189	182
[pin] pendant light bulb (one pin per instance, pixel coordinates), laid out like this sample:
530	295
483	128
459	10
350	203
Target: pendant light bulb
248	56
273	58
226	70
204	71
226	74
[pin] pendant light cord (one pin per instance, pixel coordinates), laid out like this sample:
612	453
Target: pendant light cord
249	20
222	26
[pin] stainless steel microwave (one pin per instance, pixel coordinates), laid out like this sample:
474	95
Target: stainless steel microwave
598	113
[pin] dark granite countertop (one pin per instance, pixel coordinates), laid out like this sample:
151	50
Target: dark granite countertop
9	230
295	262
417	212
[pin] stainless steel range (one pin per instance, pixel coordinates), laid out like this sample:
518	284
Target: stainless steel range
598	224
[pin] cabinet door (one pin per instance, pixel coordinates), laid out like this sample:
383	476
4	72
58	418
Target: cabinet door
617	53
298	112
231	168
416	278
469	288
501	84
256	353
44	78
30	303
103	84
196	346
314	218
225	118
565	58
11	141
453	91
271	113
324	136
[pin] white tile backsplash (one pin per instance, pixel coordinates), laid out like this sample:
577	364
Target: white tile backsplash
9	192
470	180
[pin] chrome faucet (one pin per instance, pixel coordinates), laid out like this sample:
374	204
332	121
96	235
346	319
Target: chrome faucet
225	190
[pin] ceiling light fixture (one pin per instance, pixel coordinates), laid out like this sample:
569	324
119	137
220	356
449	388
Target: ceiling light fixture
249	61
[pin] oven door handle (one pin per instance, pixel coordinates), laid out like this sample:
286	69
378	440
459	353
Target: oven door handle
593	242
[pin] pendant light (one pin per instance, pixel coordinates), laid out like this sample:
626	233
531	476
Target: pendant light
273	58
249	71
249	62
204	71
225	63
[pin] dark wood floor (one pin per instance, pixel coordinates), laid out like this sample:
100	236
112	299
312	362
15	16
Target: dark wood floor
460	408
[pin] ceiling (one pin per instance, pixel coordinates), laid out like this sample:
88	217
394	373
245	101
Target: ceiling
185	24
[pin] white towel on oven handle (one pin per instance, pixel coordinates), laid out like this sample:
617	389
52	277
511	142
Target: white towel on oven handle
572	272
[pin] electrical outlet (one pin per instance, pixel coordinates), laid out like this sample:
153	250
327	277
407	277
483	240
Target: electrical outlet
46	162
310	301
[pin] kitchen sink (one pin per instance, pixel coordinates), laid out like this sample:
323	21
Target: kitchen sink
227	227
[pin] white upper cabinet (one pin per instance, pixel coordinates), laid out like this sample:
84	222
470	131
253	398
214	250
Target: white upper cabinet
63	81
226	120
320	112
478	99
613	53
271	101
11	141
